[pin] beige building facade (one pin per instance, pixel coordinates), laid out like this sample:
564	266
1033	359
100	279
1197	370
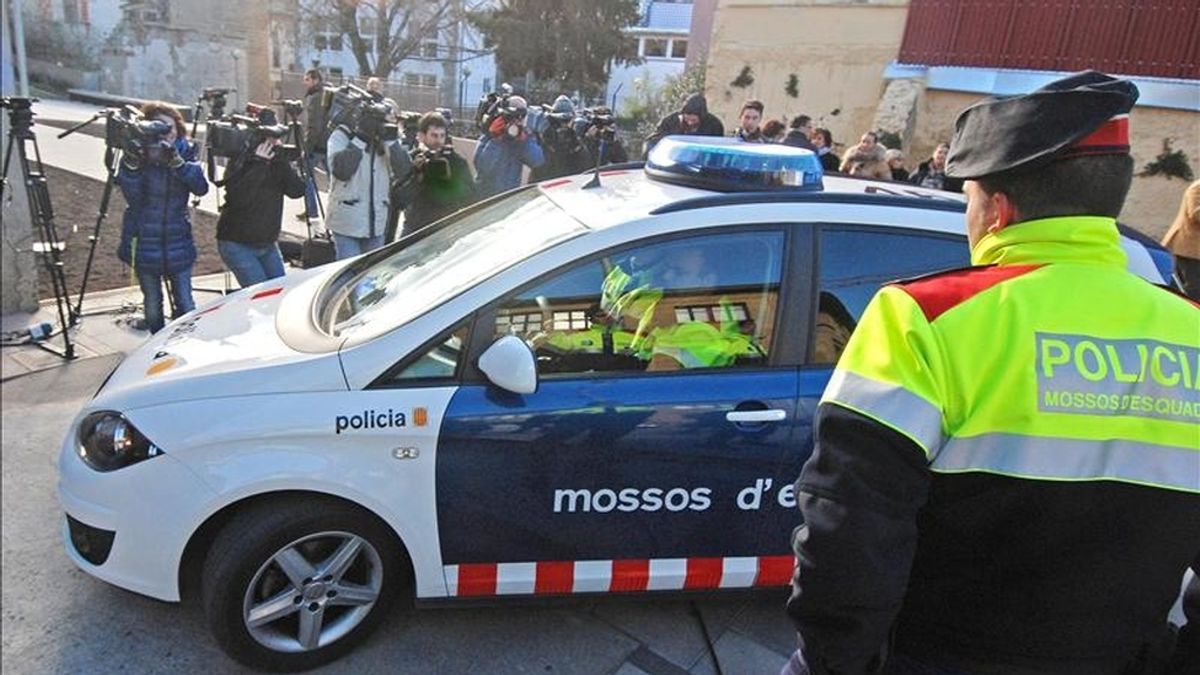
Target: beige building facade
836	49
843	54
1153	200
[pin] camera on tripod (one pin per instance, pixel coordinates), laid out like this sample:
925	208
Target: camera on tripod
408	122
292	108
216	97
236	134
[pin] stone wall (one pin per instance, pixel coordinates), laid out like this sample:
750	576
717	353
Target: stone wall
838	51
1153	200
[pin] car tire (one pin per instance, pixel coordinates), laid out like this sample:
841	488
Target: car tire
273	575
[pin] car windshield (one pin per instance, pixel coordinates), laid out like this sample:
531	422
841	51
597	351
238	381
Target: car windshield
415	278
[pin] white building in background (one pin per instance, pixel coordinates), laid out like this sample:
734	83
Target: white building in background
452	62
662	36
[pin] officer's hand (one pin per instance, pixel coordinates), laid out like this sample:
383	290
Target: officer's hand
419	160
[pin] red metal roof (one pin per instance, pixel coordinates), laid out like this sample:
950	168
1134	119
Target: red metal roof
1129	37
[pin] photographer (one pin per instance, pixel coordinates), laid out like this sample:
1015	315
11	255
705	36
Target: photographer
441	182
364	162
505	149
158	174
256	183
596	125
565	154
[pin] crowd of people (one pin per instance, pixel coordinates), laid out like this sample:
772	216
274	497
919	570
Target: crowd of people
867	158
375	177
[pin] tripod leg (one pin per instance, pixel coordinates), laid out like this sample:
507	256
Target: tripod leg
43	215
8	155
94	239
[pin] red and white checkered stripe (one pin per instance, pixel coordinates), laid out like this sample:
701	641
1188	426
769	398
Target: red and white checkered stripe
616	576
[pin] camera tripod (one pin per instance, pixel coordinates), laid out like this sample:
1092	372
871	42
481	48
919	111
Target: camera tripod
21	136
112	162
292	110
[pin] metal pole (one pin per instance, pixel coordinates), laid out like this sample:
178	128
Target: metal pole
19	43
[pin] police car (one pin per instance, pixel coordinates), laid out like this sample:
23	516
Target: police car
568	389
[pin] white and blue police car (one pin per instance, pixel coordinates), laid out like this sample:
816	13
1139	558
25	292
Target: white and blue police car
567	389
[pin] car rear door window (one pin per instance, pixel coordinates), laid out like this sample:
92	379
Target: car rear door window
706	301
856	262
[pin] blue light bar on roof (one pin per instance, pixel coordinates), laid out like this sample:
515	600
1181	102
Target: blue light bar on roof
730	165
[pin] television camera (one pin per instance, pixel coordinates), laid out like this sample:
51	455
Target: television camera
237	133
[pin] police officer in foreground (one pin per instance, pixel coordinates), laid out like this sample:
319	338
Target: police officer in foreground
1007	468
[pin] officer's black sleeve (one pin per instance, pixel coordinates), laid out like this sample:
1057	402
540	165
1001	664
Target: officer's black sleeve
859	494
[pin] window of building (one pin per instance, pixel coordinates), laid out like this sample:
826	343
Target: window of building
570	320
737	311
679	49
706	301
429	80
429	50
654	47
855	263
517	322
412	79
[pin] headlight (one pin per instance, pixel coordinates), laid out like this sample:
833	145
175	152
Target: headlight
107	442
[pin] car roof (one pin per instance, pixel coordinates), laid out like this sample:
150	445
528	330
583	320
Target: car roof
626	193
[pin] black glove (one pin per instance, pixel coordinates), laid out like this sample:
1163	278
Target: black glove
174	160
132	155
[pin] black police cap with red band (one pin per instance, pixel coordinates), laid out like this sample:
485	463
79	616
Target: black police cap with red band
1084	114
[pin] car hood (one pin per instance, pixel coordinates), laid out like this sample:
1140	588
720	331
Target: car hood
229	347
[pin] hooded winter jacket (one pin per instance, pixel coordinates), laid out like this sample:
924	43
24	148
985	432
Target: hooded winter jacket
156	233
671	124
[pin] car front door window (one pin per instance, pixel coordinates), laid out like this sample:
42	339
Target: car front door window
703	302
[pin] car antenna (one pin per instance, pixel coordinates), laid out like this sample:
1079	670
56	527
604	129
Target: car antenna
595	181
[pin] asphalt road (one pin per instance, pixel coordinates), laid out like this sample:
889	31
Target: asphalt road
57	619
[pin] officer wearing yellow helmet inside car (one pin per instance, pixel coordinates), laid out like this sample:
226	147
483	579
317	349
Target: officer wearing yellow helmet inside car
1007	468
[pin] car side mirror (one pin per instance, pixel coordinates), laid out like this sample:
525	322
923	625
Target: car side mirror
509	364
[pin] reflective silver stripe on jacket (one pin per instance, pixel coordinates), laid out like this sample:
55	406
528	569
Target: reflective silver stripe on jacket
1072	459
893	405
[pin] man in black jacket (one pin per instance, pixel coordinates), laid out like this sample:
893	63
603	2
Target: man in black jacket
441	181
248	228
314	129
692	119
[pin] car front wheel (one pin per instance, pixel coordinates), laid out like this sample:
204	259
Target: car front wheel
290	586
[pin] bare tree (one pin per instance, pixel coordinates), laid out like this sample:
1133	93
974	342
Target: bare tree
380	33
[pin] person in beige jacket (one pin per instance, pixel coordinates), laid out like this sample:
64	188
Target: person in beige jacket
1183	239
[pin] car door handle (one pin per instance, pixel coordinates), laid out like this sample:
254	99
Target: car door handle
752	416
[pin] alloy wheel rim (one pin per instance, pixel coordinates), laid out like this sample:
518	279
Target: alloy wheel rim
313	591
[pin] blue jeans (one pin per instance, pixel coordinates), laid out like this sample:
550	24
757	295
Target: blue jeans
249	263
310	189
152	296
348	247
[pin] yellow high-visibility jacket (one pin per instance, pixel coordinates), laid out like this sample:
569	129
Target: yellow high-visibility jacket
1007	470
